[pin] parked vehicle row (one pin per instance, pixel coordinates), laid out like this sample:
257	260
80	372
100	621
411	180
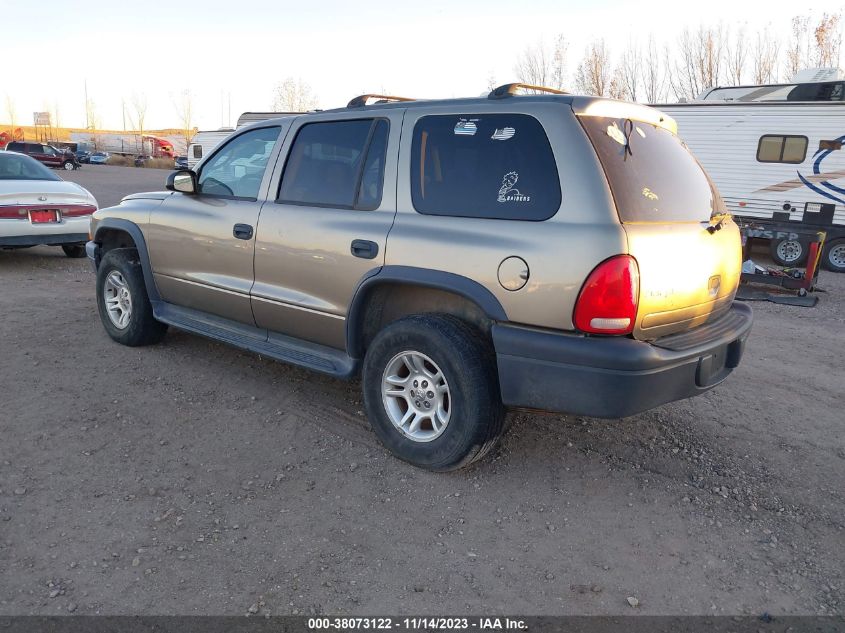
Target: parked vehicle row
462	256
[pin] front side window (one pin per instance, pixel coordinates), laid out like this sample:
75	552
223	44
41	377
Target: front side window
336	164
776	148
497	166
236	169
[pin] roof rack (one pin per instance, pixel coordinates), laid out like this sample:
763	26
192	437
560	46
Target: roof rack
509	90
361	100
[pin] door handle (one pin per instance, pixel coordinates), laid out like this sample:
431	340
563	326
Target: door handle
365	249
242	231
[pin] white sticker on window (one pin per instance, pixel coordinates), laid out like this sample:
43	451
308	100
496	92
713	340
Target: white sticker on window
508	193
503	134
465	128
616	134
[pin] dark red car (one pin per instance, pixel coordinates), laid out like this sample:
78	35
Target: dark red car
46	154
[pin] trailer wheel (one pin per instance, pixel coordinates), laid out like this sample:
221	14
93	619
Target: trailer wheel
788	252
834	256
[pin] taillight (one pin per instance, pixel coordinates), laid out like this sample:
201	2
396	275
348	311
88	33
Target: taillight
76	210
22	211
13	213
608	300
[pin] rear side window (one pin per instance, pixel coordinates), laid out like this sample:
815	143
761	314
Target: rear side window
652	175
497	166
336	164
776	148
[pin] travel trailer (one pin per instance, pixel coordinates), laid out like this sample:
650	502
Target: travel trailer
776	154
204	142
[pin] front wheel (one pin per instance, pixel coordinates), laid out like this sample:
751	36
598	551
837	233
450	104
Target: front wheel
431	391
122	300
74	251
834	256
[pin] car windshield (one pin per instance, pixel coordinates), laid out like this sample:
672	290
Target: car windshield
652	174
20	167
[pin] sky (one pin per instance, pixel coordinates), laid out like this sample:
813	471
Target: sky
231	54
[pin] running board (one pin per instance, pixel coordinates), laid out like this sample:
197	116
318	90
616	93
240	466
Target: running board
320	358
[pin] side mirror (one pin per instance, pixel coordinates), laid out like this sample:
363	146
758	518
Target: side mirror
183	180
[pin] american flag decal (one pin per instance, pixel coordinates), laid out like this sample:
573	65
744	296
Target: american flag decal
466	128
503	134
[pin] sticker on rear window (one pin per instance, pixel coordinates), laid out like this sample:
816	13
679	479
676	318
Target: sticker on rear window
616	134
466	128
508	193
503	134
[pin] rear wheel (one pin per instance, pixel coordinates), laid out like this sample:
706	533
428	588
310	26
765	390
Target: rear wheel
834	256
122	300
68	165
74	251
431	392
788	252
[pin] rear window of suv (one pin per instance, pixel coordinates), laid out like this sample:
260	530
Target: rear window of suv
497	166
652	174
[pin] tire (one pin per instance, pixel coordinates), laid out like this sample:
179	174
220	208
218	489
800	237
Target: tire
74	251
833	257
68	165
451	354
120	269
788	252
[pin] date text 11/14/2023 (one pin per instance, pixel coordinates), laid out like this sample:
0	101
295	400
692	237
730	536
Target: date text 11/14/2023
416	623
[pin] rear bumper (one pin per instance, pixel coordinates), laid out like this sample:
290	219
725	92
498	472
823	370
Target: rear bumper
614	377
50	239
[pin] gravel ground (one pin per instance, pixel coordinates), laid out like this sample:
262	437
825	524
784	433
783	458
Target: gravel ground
192	478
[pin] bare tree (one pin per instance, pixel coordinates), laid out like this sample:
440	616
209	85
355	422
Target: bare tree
11	111
828	35
539	65
184	105
653	75
629	71
593	75
491	81
137	115
294	95
736	53
91	114
764	57
798	52
698	62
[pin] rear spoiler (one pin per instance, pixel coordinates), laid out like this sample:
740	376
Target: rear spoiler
594	106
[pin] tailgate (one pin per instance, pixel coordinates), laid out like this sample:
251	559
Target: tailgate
687	248
688	275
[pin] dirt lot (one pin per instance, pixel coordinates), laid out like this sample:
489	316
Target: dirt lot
190	477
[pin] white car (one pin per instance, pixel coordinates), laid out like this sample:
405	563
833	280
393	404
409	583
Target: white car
38	207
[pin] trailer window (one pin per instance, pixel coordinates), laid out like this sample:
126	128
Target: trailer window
776	148
197	151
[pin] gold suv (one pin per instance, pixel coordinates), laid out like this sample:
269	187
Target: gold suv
462	256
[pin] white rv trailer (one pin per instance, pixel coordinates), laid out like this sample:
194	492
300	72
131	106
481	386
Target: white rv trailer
775	160
204	142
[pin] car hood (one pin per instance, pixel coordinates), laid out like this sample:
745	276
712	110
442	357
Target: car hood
148	195
46	191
